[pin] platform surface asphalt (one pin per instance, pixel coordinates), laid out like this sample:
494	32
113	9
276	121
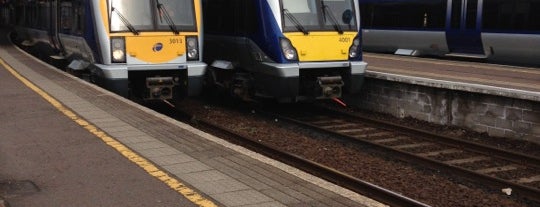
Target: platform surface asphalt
494	79
65	142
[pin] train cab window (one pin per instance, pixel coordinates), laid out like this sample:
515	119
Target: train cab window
511	15
128	13
303	11
181	13
342	11
163	15
318	15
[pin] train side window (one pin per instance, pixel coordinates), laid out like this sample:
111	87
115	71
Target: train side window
24	19
511	16
472	12
78	23
33	11
422	14
66	17
456	14
534	23
19	19
39	14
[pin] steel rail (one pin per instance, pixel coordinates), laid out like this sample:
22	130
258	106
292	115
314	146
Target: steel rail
519	190
332	175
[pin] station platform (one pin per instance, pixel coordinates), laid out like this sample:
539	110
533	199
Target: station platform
476	77
498	100
66	142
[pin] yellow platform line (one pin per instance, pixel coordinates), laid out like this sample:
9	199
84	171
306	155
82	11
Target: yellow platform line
150	168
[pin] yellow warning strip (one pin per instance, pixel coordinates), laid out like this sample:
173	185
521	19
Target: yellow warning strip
132	156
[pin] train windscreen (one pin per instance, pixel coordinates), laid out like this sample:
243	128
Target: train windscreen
318	15
162	15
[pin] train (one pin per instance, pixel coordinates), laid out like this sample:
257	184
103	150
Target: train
144	50
499	31
286	50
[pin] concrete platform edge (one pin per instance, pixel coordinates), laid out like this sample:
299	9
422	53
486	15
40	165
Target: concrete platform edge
468	87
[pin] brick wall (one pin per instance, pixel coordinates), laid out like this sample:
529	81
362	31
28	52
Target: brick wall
498	116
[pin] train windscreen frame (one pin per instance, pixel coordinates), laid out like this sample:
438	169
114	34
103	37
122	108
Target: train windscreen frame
318	15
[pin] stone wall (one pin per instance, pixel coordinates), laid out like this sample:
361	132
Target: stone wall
497	115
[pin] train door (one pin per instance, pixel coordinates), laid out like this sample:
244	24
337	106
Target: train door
463	28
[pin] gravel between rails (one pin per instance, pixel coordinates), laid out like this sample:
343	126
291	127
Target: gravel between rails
434	188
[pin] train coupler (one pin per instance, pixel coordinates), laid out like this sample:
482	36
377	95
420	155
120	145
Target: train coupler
160	87
330	87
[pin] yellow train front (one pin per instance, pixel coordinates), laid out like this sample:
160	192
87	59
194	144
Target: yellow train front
145	50
290	50
155	45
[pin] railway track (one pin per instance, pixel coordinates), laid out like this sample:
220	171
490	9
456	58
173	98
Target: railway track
514	174
365	188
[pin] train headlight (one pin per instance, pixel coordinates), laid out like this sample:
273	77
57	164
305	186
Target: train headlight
192	47
118	55
118	50
354	49
289	52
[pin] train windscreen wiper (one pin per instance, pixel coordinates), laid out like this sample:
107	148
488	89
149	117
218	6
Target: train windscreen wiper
329	13
168	18
125	21
295	21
